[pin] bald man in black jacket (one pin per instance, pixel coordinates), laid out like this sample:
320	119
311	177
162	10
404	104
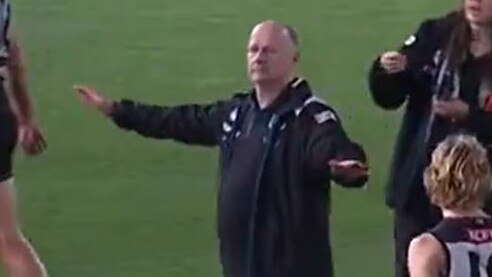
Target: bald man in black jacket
279	148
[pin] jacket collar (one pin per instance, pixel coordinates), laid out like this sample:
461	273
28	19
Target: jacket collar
292	97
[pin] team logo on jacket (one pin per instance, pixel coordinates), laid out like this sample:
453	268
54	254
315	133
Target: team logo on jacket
325	116
226	127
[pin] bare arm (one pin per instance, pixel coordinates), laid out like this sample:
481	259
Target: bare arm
30	136
426	257
17	82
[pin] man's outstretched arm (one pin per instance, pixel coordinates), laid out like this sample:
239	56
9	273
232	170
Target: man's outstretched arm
333	156
193	124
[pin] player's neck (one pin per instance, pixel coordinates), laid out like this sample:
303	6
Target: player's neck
463	213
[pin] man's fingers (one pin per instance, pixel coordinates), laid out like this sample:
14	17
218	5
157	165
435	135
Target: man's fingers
390	62
41	145
78	88
31	140
28	141
40	142
393	70
86	92
82	93
333	163
391	55
347	164
83	98
89	96
441	108
29	136
36	148
393	67
28	148
440	111
395	58
393	62
43	142
83	89
20	135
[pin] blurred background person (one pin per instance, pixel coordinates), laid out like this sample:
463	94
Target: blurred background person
443	75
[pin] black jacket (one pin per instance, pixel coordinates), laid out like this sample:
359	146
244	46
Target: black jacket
415	88
274	183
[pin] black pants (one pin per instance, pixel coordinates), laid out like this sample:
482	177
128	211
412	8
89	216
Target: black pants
8	140
418	217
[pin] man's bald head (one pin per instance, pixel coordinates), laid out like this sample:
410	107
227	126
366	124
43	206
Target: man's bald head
272	52
283	29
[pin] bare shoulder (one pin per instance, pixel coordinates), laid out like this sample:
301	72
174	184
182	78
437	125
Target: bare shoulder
425	242
426	256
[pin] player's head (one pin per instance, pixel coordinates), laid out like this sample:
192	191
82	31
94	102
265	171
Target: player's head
272	53
478	12
458	177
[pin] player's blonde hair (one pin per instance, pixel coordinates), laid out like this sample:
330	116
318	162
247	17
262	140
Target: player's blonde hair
459	174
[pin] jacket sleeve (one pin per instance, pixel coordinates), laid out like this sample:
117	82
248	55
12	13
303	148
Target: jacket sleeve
191	124
328	141
390	91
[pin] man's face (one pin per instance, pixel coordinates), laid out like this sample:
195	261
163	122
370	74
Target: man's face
271	54
478	11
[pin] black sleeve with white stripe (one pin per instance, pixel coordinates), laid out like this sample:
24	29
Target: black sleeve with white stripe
328	141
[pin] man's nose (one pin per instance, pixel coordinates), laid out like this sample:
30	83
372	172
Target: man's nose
260	56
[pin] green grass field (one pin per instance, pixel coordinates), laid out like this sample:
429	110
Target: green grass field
104	203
